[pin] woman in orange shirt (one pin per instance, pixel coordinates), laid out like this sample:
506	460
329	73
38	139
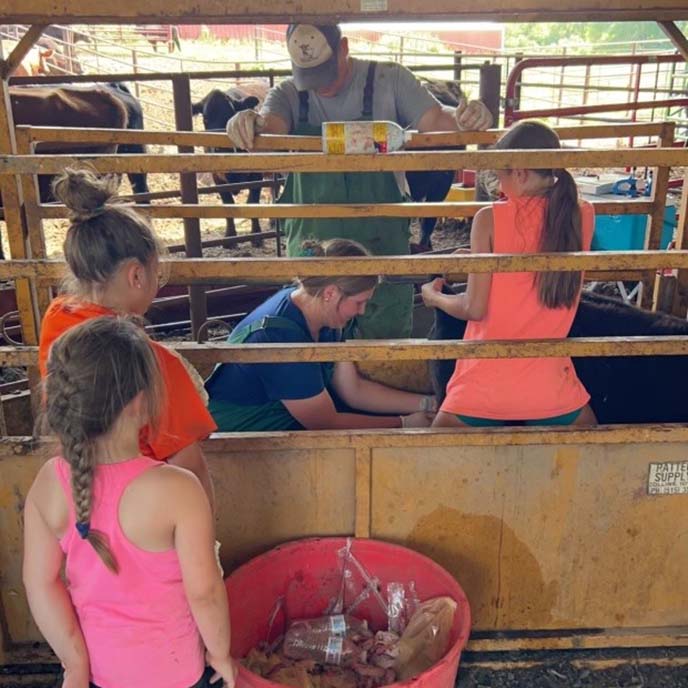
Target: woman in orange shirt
113	256
541	214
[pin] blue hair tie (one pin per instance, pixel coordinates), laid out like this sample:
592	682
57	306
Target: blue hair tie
83	529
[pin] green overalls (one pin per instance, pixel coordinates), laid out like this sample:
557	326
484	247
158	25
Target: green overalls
389	313
272	415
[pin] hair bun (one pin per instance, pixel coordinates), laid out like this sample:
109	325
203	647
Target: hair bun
312	249
84	193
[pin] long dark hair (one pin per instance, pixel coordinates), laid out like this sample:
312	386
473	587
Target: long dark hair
562	230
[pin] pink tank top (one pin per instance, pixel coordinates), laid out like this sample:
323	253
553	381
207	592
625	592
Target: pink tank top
137	624
519	388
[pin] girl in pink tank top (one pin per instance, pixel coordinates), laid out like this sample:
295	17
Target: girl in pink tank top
142	602
541	214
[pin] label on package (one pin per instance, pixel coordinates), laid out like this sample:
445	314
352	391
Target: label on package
338	625
668	478
333	653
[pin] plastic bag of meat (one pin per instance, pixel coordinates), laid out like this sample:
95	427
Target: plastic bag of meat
327	639
426	638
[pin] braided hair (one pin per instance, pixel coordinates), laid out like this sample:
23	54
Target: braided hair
94	371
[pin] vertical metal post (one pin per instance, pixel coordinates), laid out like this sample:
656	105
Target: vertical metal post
517	89
586	88
658	68
561	84
680	296
135	68
181	91
636	96
490	84
457	66
655	226
69	50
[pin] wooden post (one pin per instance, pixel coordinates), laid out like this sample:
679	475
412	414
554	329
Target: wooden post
34	223
181	91
676	37
364	466
653	235
16	230
490	85
21	50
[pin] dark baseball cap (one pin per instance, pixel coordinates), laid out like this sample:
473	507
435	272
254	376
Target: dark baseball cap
313	53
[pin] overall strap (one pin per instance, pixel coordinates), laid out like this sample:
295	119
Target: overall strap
268	322
367	112
303	107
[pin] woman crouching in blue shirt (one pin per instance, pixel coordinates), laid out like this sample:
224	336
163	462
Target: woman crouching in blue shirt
294	396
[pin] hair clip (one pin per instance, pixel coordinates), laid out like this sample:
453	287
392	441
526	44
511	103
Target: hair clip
83	529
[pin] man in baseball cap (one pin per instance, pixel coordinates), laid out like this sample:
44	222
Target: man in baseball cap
328	84
314	55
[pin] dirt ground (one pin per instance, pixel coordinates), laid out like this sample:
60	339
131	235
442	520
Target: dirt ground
652	668
649	668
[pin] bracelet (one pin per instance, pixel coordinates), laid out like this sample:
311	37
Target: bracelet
428	404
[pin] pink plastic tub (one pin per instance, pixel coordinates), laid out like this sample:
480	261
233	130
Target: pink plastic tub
307	574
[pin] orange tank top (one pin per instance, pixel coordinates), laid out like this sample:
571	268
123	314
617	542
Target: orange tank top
519	388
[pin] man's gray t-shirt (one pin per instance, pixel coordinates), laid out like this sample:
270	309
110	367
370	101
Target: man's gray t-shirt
397	96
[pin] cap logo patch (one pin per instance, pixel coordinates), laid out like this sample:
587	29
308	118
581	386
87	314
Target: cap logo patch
308	47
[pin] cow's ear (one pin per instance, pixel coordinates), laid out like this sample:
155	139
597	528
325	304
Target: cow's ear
248	103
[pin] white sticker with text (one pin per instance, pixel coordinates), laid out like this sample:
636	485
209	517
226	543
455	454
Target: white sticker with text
374	5
668	478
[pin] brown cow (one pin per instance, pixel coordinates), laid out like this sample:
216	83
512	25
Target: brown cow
109	106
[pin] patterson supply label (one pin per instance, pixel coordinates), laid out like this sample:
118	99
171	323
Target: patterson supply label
373	5
333	652
668	478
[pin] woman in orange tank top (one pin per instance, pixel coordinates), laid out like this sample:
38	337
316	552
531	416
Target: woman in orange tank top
541	214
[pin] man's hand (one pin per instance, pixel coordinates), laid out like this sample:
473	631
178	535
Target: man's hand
472	115
243	127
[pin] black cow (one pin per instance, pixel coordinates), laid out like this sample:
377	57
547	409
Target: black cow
217	108
623	389
138	181
433	187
